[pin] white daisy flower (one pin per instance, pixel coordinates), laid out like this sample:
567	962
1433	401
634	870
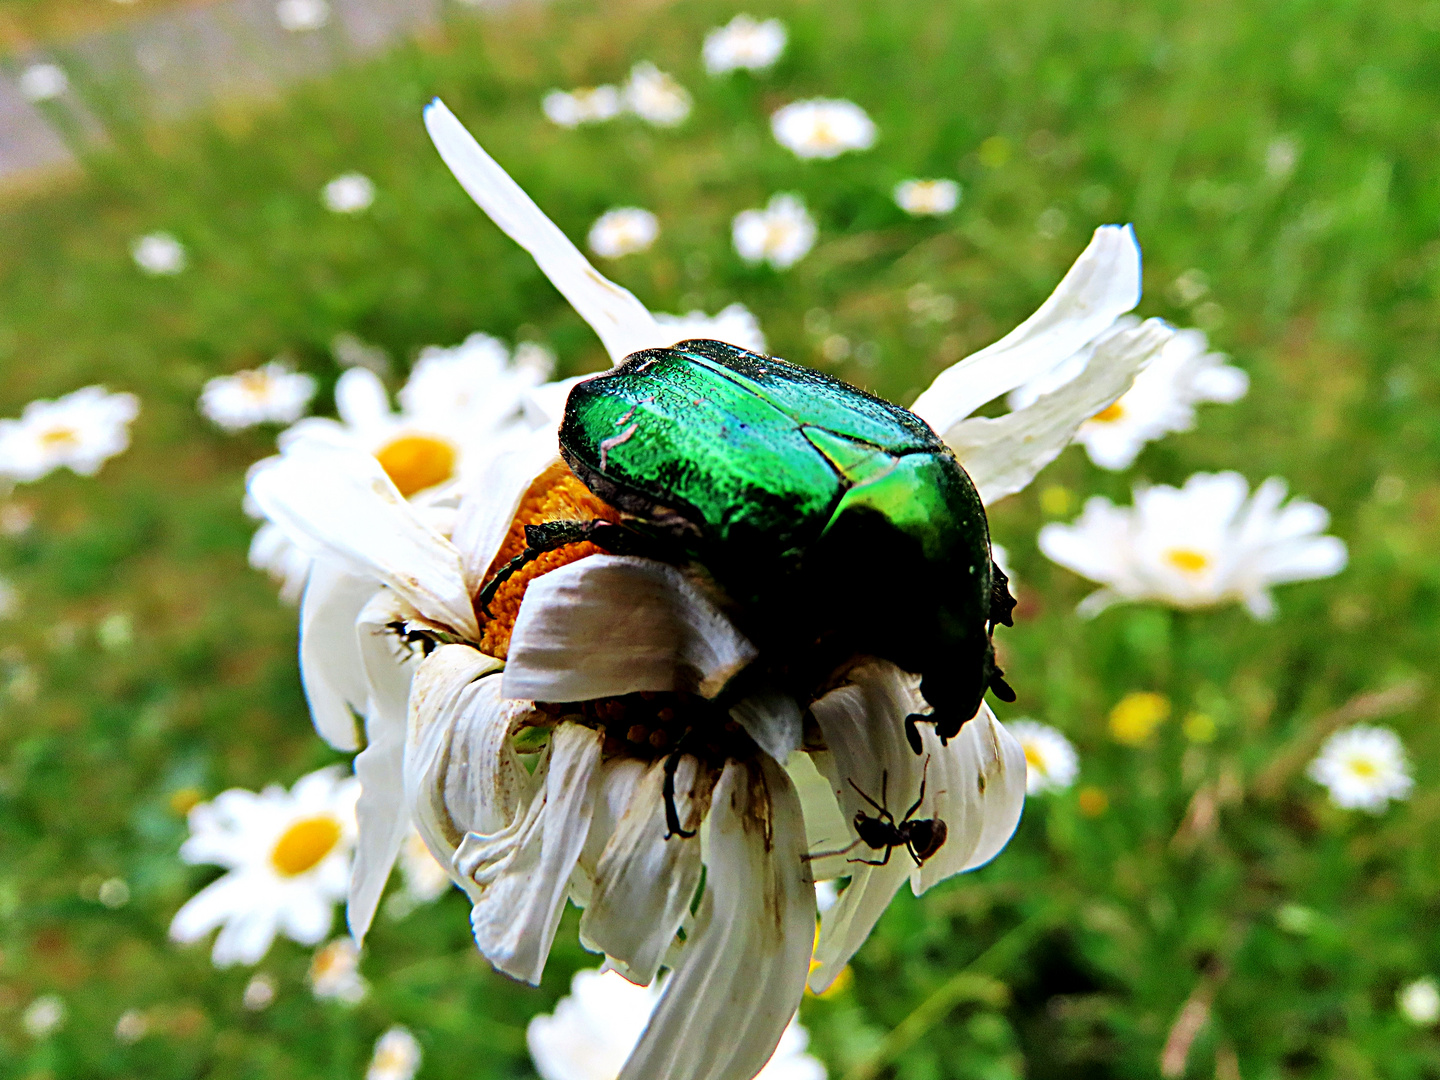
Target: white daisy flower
1364	768
397	1056
1207	543
43	82
595	1028
626	230
587	105
259	992
1051	763
1419	1001
424	879
1162	400
656	97
159	254
781	234
822	128
80	431
349	193
132	1026
734	324
744	43
580	655
44	1016
298	16
927	198
288	860
272	394
334	973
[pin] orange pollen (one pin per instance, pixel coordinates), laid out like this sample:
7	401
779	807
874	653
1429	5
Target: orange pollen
1109	414
417	462
556	495
1187	560
304	844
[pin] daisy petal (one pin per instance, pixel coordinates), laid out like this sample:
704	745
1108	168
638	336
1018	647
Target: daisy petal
485	516
608	625
773	721
1002	455
622	322
330	666
1103	284
720	1019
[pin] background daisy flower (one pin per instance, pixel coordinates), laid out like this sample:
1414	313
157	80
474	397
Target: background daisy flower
397	1056
159	254
1364	768
348	193
822	128
744	43
734	323
287	861
781	234
272	394
588	105
80	431
655	97
927	198
626	230
1051	763
1419	1001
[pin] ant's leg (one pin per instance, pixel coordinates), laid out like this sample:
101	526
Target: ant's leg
923	771
811	856
672	817
874	862
884	814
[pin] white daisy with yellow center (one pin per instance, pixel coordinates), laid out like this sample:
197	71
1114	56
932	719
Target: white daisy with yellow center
287	857
587	105
530	742
334	973
1364	768
733	323
626	230
744	42
656	97
397	1056
272	394
780	234
80	431
927	198
1051	763
822	128
1207	543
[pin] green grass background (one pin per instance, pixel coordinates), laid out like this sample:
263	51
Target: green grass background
1323	287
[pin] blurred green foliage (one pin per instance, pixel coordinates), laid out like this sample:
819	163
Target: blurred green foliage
1278	161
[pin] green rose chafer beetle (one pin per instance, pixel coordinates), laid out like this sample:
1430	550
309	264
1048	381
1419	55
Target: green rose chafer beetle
837	523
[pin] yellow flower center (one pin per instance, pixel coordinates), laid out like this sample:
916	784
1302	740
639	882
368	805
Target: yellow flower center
257	384
824	134
1188	560
61	436
1363	768
1109	414
1035	761
417	462
304	844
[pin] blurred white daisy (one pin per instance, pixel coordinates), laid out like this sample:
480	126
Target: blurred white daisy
1162	399
733	323
44	1016
287	854
42	82
587	105
298	16
744	43
80	431
272	394
927	198
259	992
655	96
397	1056
421	874
1419	1001
822	128
1363	767
349	193
1200	545
334	973
131	1026
158	254
1051	763
593	1030
781	234
626	230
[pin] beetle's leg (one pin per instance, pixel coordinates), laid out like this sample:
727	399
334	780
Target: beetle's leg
912	731
548	536
672	816
999	687
1002	604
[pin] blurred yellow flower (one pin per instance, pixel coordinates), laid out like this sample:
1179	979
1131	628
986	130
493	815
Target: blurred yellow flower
1134	719
1057	501
1198	727
1092	801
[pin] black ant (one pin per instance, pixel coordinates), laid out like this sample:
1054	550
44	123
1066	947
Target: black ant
922	837
423	638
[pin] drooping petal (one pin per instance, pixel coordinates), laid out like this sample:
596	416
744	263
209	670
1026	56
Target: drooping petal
331	669
742	970
338	504
622	323
608	625
1103	284
1003	454
519	876
773	721
827	836
644	882
619	777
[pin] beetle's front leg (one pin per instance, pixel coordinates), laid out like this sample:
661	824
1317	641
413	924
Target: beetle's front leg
672	816
550	536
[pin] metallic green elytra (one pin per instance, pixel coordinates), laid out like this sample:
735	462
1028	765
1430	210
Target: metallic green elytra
838	523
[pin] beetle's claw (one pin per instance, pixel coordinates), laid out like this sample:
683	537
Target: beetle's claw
1000	688
912	732
1002	604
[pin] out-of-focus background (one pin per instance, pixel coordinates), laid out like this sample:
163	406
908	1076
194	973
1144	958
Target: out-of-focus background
1192	894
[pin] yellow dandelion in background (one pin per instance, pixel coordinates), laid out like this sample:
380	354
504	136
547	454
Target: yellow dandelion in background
1134	719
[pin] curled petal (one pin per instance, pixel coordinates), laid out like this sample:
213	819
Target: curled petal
641	871
606	625
1003	454
1103	284
773	721
331	669
622	322
338	504
742	970
518	877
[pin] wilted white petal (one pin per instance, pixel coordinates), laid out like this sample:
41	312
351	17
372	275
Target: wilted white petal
1004	454
619	777
519	875
331	668
827	835
742	971
338	503
608	625
622	322
642	871
773	721
1103	284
